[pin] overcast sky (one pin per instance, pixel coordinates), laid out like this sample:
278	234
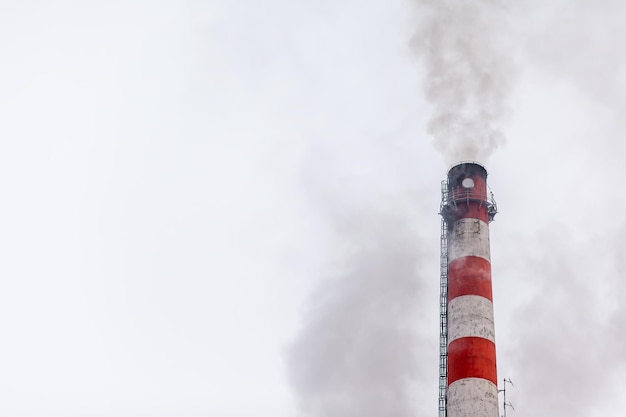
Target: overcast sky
229	209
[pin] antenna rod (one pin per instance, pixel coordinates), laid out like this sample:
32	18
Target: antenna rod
503	391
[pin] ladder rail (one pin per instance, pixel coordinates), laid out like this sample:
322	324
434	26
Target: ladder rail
443	310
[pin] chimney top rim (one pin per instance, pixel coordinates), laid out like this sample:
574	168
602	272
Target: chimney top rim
460	163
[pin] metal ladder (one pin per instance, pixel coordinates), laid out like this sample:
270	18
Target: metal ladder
443	310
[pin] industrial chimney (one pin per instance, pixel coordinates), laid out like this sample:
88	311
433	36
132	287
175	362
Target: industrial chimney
467	368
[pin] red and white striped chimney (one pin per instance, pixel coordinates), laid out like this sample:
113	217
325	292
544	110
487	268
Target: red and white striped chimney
472	381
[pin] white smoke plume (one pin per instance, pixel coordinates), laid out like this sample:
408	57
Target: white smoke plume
558	246
565	347
368	324
356	353
468	69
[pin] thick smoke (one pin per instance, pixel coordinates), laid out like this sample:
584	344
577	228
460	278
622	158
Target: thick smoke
356	353
372	316
558	245
468	72
565	350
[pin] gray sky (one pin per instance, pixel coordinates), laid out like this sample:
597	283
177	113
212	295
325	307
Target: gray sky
230	209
